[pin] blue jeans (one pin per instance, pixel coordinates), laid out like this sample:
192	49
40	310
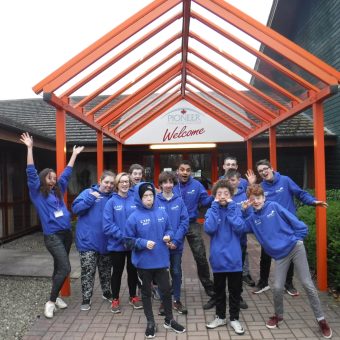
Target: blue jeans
176	274
59	245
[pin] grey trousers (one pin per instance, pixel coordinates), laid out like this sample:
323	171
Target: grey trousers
299	258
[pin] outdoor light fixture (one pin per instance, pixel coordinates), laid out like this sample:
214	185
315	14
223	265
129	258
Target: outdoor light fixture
182	146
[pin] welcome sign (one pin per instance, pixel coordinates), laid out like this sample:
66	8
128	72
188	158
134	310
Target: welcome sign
184	123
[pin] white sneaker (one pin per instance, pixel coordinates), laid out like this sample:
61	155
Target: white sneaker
61	304
237	327
216	323
49	309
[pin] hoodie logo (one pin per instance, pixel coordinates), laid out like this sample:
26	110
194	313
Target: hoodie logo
118	207
266	193
160	219
279	190
271	214
258	221
145	221
191	192
133	206
161	207
175	207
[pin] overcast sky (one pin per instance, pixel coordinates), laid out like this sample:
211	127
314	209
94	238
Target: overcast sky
38	36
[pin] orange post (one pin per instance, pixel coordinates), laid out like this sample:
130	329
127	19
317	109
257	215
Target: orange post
119	157
100	155
249	154
61	163
214	166
157	167
320	193
272	147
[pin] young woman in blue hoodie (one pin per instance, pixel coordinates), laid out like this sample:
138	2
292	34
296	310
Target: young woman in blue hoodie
225	254
90	239
281	235
148	230
117	210
46	192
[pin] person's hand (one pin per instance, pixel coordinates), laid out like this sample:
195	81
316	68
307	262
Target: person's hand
251	177
171	245
27	139
150	244
229	200
78	149
321	204
166	238
246	204
95	193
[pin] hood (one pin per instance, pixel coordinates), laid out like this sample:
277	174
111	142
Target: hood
137	198
276	178
162	198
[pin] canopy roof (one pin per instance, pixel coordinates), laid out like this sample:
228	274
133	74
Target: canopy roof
146	69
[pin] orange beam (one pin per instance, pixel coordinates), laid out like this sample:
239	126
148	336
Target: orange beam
61	164
272	39
248	69
133	99
119	157
249	154
104	45
320	193
185	42
256	53
157	168
272	147
100	155
129	70
120	55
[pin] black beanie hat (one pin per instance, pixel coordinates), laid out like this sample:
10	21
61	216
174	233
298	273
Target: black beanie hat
145	187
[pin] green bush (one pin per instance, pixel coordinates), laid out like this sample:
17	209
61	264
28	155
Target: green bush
307	214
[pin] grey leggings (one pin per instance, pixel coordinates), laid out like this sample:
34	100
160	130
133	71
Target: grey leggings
299	258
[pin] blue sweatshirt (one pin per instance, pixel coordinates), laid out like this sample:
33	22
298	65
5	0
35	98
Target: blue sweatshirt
116	212
48	206
243	185
225	247
276	229
193	193
283	190
145	225
179	219
89	232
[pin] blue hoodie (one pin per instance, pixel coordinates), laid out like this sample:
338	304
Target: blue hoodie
179	219
89	232
283	190
225	247
145	225
243	185
116	212
193	193
276	229
47	206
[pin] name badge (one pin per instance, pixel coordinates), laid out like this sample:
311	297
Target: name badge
58	213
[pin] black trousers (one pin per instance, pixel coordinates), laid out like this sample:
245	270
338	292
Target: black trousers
162	278
265	263
234	289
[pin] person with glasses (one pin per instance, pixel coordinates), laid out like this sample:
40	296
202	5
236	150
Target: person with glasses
280	189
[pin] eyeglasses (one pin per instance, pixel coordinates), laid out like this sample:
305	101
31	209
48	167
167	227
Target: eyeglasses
124	182
263	170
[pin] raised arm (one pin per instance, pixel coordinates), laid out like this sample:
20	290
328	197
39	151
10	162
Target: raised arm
28	141
76	151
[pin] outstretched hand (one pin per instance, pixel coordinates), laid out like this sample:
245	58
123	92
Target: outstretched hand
78	149
321	204
27	139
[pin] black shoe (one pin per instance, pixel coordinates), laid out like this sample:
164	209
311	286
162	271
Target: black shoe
210	304
247	279
174	325
150	331
210	292
243	304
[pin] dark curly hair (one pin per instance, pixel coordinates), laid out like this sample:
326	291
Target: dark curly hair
44	188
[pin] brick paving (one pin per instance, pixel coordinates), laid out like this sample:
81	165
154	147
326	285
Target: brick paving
100	324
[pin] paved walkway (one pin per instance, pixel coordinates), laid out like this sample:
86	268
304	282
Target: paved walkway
100	323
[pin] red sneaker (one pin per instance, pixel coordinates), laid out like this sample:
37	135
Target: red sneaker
136	302
325	329
274	321
115	306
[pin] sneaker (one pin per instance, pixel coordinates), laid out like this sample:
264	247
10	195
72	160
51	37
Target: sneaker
243	304
274	321
236	326
210	304
161	310
136	302
261	287
174	325
115	306
86	305
217	322
60	303
325	329
247	279
150	331
291	290
49	309
107	296
178	306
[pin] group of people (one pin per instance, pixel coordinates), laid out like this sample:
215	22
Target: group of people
123	221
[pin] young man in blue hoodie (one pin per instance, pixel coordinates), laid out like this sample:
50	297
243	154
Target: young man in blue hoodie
174	206
281	235
194	194
149	231
280	189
